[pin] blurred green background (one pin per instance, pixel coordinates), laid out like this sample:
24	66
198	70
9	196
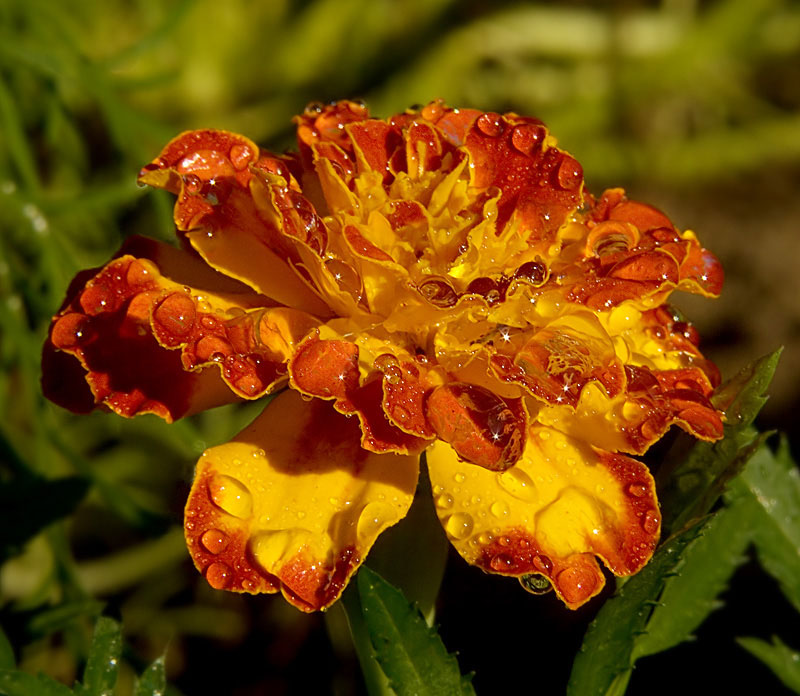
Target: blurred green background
692	106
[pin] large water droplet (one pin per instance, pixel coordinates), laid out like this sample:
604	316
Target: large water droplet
502	563
214	541
72	330
459	526
373	518
651	521
175	314
490	124
535	584
637	489
527	137
570	173
499	508
576	583
240	156
231	495
444	501
516	482
346	278
219	575
532	272
438	292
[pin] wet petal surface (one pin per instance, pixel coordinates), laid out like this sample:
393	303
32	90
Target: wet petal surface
296	513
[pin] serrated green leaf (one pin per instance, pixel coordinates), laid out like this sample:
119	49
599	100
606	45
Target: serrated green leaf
770	486
691	483
17	683
7	660
706	566
603	664
102	668
779	657
31	504
410	653
153	681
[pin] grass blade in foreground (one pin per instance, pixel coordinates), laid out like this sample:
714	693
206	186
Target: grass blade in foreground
779	657
770	486
102	668
410	653
603	664
689	488
153	681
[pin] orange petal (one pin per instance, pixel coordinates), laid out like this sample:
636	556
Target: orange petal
328	369
562	503
481	427
142	338
212	173
294	503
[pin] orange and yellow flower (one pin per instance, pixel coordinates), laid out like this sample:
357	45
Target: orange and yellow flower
436	282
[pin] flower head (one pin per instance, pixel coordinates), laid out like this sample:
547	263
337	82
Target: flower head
439	281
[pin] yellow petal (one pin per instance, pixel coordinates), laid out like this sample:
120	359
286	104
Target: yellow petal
294	503
563	503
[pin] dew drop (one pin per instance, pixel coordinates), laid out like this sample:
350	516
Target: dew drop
214	541
527	137
459	526
532	272
231	495
570	173
490	124
72	330
518	483
637	489
438	292
498	508
535	583
175	314
219	575
373	518
501	563
543	564
444	501
240	156
192	184
576	583
651	521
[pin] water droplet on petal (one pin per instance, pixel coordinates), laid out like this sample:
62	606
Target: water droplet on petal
576	583
543	564
570	173
175	314
490	124
444	501
498	508
651	521
72	330
214	540
240	156
373	518
532	272
501	563
637	489
516	482
535	584
192	184
438	292
219	575
527	137
459	478
231	495
459	526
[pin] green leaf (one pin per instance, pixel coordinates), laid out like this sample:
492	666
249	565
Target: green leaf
410	653
16	683
30	504
602	667
103	664
690	595
7	660
779	657
689	485
153	681
770	486
44	622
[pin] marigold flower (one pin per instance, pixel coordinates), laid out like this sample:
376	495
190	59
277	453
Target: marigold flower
444	277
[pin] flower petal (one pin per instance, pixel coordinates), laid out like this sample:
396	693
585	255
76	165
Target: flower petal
562	503
294	503
143	339
215	175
